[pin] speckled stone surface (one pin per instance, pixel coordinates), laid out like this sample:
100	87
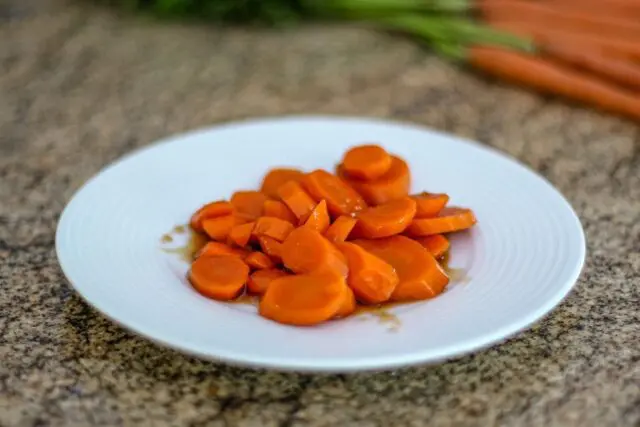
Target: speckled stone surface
80	87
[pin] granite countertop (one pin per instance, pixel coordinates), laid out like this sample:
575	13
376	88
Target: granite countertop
80	87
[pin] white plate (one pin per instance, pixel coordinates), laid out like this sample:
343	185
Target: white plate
521	259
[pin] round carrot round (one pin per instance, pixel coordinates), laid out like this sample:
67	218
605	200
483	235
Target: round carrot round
220	277
348	305
304	299
258	260
217	249
248	204
319	218
210	210
341	198
385	220
429	204
437	244
260	280
420	274
393	185
275	178
307	251
449	219
371	279
366	162
340	229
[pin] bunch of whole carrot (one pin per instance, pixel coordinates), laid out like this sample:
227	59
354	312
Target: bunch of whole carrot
312	246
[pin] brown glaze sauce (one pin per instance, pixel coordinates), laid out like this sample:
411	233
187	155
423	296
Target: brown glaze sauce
188	251
456	275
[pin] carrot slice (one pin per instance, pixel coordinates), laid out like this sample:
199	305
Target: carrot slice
391	186
371	279
260	280
348	305
277	209
340	229
271	247
437	244
340	197
303	300
259	261
219	228
449	219
385	220
307	251
240	234
319	218
297	199
420	274
276	228
429	204
210	210
275	178
218	249
248	204
366	162
220	277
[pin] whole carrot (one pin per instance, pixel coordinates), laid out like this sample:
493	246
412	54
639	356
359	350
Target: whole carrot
548	77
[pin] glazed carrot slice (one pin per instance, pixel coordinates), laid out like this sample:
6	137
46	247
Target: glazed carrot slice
366	162
277	209
276	228
340	229
340	197
260	280
275	178
348	306
307	251
371	279
449	219
437	244
248	204
304	299
219	228
392	185
385	220
240	234
218	249
319	218
271	247
220	277
420	274
429	204
297	199
259	261
210	210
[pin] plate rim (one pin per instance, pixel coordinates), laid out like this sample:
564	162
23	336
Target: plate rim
369	363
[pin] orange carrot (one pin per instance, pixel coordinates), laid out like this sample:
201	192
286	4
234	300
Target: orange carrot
420	275
307	251
260	280
271	247
275	178
220	227
385	220
319	218
437	244
341	199
450	219
548	77
348	306
259	261
277	209
276	228
220	277
218	249
371	279
392	185
366	162
210	210
248	204
429	204
303	300
340	229
297	199
240	234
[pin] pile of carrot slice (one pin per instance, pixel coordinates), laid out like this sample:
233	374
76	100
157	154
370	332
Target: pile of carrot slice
315	245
